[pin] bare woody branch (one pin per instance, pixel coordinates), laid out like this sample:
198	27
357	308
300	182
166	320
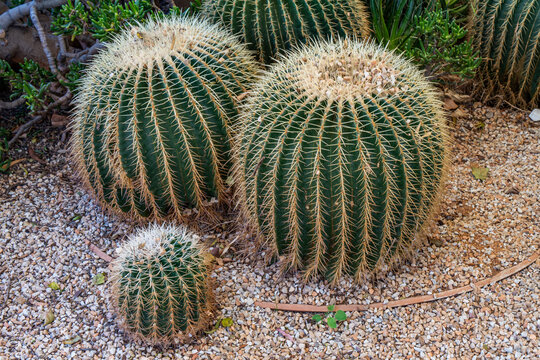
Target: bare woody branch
12	104
12	15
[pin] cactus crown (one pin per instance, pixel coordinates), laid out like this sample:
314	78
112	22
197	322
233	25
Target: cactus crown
161	285
271	27
507	34
341	72
151	133
341	158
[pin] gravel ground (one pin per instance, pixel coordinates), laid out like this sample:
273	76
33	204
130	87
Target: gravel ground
484	227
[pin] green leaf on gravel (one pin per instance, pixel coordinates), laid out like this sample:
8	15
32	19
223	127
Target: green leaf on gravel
77	217
72	341
331	322
316	317
340	315
99	279
226	322
216	326
480	173
54	285
49	317
331	307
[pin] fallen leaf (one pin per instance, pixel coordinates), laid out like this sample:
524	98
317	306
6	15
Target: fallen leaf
480	173
316	317
459	113
49	317
226	322
72	341
15	162
54	285
450	104
216	326
458	98
99	279
34	156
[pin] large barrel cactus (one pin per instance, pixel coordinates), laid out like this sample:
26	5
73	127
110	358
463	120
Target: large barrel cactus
151	133
507	35
161	289
341	158
271	26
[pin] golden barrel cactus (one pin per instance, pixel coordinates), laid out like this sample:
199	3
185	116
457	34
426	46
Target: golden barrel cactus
507	35
152	131
341	158
272	26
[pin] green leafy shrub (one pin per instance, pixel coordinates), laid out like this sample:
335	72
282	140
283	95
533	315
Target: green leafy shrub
427	31
270	28
152	131
437	45
31	81
341	158
506	34
100	19
161	285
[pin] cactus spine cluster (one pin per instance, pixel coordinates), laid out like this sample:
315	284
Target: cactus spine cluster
161	288
341	158
271	26
507	35
151	133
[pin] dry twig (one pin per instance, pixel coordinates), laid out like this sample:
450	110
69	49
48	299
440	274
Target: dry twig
12	104
409	301
18	12
22	129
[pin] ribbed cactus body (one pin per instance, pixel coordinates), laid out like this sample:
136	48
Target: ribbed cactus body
272	26
152	128
507	35
161	288
341	158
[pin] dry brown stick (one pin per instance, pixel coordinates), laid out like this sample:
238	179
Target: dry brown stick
409	301
66	97
12	104
100	253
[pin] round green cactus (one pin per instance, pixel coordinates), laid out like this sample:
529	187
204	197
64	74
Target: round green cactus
272	26
507	33
341	158
161	288
151	133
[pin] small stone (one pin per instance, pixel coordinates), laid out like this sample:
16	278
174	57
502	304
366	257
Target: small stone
535	115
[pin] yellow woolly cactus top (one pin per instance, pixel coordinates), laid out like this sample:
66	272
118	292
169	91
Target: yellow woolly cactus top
348	69
158	39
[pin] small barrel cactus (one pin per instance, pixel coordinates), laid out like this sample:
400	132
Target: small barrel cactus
151	133
161	288
341	158
507	35
271	26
